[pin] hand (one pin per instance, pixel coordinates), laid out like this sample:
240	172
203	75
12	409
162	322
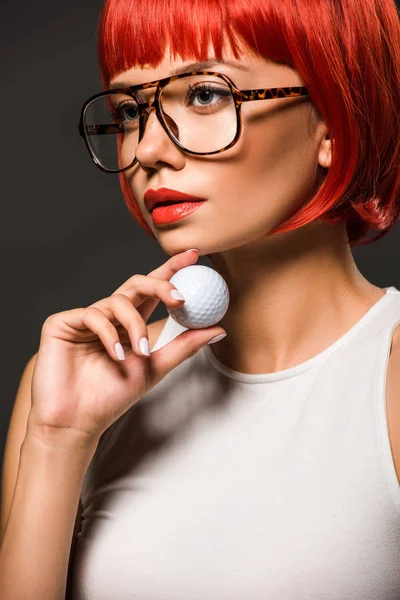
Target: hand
79	385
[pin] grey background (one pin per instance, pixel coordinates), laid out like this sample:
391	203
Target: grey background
66	237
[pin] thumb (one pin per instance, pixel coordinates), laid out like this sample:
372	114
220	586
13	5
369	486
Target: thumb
184	346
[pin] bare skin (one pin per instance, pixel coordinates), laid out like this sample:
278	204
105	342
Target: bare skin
294	294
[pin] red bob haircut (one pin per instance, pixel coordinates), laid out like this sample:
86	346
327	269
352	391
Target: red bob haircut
346	51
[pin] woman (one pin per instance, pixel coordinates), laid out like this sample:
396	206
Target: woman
263	467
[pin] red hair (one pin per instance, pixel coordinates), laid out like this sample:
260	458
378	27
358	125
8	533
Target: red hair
348	55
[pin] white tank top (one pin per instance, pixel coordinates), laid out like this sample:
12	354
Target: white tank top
220	485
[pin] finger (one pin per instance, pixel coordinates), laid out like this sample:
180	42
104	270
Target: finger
143	287
174	264
183	346
95	320
119	309
165	272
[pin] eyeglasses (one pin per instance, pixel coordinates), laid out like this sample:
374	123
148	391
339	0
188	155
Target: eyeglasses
199	111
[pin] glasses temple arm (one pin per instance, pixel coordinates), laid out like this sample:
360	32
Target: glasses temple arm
273	93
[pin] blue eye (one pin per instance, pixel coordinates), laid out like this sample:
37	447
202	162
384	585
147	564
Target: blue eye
119	113
207	90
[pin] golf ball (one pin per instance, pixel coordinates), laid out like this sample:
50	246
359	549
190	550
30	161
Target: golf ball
206	297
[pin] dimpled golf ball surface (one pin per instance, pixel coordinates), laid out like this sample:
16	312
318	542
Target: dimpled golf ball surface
206	297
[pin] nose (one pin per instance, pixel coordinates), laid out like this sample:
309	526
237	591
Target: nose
155	145
172	126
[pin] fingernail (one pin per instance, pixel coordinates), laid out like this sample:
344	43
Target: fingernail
119	351
190	249
217	338
144	346
176	295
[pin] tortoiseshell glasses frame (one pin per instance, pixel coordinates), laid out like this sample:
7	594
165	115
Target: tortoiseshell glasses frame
144	108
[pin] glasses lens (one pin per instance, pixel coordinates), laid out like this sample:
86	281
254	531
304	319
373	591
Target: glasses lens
111	124
199	111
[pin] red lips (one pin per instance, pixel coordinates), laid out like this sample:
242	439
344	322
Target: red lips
164	195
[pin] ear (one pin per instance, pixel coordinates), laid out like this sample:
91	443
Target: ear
325	150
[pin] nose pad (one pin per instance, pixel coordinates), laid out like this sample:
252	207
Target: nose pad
146	115
172	126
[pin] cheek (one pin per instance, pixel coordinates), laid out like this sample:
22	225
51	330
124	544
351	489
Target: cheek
127	150
279	157
274	171
281	149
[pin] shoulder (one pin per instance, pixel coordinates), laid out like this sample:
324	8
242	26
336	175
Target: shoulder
393	398
154	330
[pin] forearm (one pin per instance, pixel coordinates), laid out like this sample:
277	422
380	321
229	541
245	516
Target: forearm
35	549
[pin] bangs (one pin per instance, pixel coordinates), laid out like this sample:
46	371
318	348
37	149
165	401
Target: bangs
139	32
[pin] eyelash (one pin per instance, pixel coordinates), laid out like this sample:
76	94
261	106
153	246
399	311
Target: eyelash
115	113
204	87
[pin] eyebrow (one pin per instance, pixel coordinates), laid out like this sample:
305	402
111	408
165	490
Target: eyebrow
188	68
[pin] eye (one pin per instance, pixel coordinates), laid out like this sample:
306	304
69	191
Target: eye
204	92
124	112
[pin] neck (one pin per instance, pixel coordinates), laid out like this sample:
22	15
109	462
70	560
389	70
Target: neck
291	296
